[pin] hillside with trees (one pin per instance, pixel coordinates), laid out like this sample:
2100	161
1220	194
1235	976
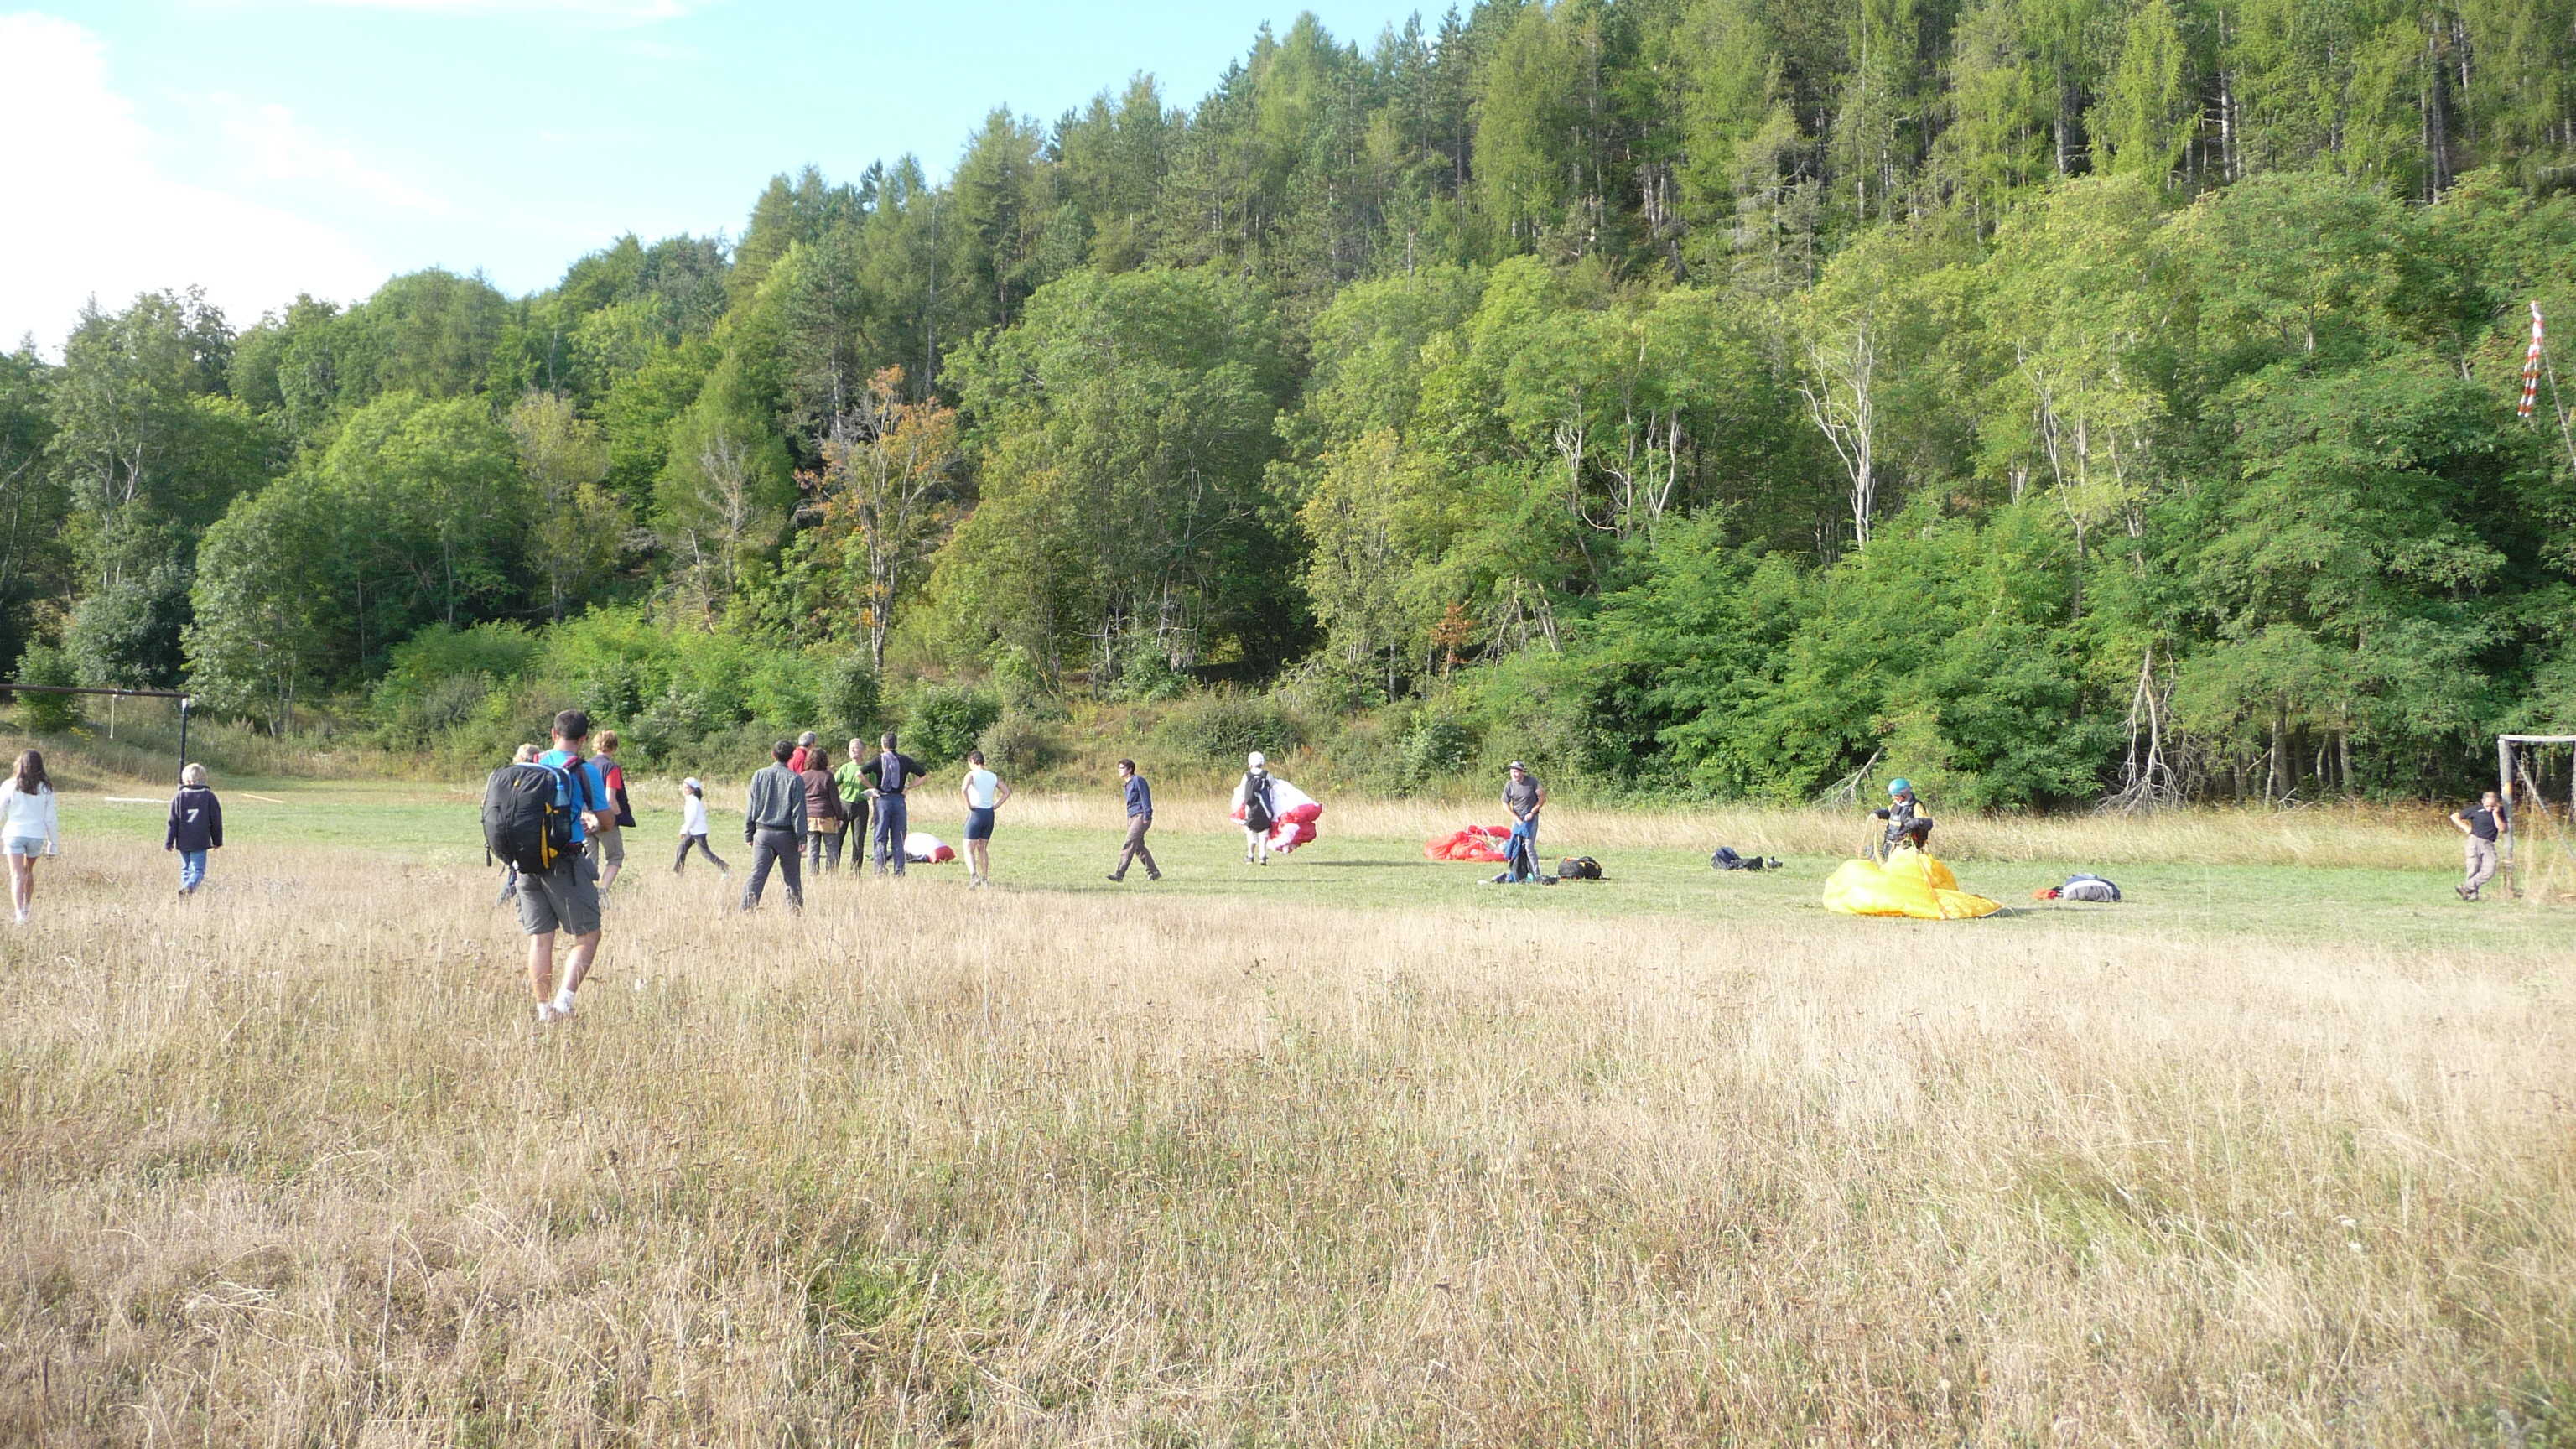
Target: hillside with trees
2065	401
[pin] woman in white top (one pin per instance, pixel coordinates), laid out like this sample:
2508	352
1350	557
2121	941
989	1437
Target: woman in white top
28	827
693	826
984	792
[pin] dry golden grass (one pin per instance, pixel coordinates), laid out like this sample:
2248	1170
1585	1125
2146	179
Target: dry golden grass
294	1166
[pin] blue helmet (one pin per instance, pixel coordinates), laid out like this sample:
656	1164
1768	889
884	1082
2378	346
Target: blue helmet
1900	786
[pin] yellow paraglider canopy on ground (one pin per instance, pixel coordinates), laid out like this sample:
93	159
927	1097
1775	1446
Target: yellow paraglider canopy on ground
1910	884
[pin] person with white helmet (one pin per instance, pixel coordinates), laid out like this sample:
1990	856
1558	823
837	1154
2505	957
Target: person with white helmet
1254	799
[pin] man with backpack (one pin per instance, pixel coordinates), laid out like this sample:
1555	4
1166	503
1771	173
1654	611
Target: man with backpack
538	816
889	774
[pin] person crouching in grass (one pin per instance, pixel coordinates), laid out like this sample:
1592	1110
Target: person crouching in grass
196	826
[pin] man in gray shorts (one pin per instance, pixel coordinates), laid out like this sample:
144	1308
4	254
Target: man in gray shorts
566	898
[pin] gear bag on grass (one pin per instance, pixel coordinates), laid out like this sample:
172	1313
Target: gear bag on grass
1726	858
1578	867
2088	888
525	818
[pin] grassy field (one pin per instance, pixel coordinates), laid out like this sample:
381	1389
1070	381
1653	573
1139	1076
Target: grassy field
1348	1150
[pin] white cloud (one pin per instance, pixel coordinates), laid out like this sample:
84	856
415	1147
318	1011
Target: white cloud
278	147
88	212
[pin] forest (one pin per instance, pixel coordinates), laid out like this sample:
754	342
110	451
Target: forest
2061	402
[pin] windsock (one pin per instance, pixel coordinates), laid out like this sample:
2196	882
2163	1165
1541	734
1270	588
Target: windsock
2531	367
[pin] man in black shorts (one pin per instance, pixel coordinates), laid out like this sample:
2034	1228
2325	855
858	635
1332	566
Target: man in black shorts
566	898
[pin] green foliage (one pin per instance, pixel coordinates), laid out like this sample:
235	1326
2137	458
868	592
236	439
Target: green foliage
941	722
1222	726
47	713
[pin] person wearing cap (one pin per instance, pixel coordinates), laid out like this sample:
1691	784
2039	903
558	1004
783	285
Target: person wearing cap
805	746
1524	796
1252	796
693	827
1900	811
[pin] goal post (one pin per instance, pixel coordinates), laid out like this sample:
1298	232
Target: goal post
185	700
2529	796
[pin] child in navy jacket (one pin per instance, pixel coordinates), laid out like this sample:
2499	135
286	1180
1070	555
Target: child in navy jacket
196	826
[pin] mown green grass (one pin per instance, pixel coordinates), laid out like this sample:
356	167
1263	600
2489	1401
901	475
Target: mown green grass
2396	909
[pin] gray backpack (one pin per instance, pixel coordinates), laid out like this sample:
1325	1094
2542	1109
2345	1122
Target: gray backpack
2088	888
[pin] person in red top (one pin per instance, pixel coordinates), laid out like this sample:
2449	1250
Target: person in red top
608	843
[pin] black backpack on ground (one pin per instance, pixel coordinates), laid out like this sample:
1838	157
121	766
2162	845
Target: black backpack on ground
1727	859
1578	867
525	821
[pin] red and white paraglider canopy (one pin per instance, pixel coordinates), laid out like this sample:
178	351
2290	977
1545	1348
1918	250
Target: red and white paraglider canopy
1293	815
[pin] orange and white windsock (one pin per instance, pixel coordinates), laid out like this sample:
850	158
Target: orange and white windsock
2531	367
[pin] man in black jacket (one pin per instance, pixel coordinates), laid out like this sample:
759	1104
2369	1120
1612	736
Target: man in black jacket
196	826
773	825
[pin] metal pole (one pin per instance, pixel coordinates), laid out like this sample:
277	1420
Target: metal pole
2504	783
184	702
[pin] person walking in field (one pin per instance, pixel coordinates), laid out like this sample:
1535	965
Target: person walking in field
1254	797
823	812
693	827
2483	824
889	774
608	842
1140	818
984	793
1524	797
565	899
196	826
29	827
773	825
524	755
851	779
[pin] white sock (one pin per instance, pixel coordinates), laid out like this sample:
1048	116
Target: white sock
563	998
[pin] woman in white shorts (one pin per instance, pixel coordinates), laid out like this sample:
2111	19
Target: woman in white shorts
28	827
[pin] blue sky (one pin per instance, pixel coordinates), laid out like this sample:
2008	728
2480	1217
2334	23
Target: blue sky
261	147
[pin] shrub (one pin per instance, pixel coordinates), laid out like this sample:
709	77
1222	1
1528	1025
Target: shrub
47	713
1440	743
1016	743
1225	726
943	721
1145	673
851	697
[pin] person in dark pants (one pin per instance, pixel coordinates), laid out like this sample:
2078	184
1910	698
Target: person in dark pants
889	774
2482	823
852	781
823	822
1524	796
773	825
1140	818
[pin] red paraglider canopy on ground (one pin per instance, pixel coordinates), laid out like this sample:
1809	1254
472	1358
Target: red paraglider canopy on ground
1480	844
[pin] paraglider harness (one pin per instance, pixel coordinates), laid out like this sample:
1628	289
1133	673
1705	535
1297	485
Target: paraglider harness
1898	814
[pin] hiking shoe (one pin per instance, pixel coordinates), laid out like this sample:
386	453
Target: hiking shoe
1158	875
